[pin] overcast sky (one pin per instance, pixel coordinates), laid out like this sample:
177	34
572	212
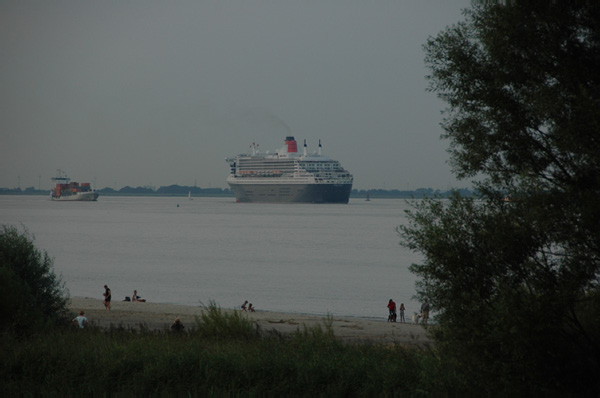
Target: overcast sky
160	92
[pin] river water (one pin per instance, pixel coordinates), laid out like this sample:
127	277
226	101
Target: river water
343	260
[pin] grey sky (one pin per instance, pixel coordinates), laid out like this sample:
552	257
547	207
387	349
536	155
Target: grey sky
158	93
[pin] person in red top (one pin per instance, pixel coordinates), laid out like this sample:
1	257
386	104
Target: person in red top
392	307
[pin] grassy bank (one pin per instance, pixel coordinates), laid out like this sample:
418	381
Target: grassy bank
223	354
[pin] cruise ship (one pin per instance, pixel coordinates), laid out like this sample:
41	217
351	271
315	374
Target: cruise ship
288	176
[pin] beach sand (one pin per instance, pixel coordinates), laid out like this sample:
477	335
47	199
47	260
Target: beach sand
157	316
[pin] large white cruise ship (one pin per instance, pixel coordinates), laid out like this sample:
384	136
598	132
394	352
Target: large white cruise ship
288	176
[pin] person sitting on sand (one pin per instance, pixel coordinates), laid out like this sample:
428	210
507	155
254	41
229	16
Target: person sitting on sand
177	326
244	305
81	320
135	297
251	308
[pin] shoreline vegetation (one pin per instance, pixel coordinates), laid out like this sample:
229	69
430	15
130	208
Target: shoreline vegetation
178	190
219	353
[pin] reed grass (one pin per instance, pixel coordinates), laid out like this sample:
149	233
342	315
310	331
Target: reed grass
223	354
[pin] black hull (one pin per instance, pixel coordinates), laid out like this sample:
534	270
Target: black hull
292	193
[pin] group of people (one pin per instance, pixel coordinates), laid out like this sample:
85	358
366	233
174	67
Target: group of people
424	315
248	307
392	308
108	296
82	320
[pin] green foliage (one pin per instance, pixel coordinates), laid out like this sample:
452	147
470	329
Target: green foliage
506	319
70	361
515	284
31	295
217	324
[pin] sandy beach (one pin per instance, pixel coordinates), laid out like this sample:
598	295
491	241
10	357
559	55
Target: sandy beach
157	316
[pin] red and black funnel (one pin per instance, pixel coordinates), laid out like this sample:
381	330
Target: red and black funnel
291	144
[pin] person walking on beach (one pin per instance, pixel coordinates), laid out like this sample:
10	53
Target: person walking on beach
81	320
107	298
392	307
425	312
244	305
251	308
402	309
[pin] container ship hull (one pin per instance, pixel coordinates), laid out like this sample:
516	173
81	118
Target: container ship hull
288	176
79	196
292	193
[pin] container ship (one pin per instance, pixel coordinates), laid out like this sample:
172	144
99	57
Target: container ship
73	191
288	176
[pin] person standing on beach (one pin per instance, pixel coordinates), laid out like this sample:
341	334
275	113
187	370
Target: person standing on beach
392	307
81	320
244	305
107	298
425	312
402	312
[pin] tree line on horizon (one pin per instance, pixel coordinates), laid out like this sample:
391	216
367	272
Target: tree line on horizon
184	190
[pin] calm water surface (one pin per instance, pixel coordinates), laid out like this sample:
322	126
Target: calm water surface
343	260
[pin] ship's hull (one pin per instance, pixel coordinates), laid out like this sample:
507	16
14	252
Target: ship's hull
79	196
291	193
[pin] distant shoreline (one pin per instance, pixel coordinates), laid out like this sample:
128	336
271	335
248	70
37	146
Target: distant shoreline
226	193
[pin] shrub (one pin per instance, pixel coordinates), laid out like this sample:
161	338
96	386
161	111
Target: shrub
217	324
31	295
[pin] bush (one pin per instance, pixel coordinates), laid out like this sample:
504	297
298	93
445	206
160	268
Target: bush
216	324
31	295
68	361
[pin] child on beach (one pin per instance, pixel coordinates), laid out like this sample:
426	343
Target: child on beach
244	305
81	320
251	308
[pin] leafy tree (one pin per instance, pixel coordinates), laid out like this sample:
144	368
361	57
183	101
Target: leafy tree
31	295
516	284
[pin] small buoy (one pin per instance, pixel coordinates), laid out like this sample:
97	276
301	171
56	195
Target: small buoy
177	204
